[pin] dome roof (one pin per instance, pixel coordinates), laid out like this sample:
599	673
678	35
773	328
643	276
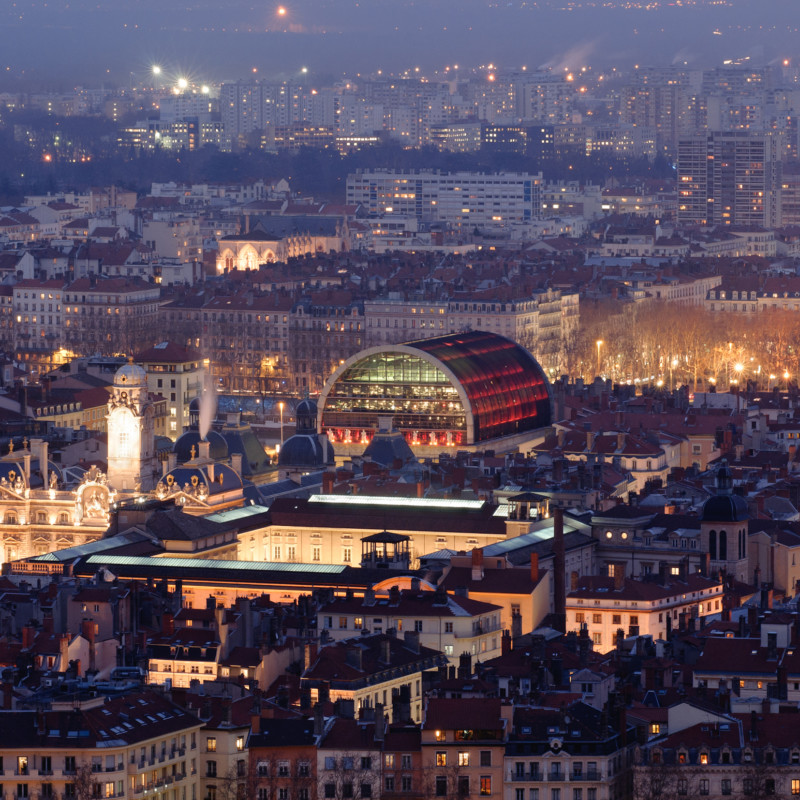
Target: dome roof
386	448
725	508
182	448
305	450
130	375
306	406
224	479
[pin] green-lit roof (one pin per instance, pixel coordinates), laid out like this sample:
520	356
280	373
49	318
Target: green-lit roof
233	514
96	546
198	564
414	502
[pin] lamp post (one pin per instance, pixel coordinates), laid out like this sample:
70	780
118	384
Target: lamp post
599	344
280	406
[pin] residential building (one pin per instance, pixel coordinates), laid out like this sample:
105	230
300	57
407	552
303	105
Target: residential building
176	373
120	746
461	199
371	670
443	622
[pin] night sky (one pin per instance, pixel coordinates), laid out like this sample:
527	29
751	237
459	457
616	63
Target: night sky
59	43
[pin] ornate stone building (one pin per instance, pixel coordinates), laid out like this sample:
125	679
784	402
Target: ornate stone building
131	434
40	513
37	514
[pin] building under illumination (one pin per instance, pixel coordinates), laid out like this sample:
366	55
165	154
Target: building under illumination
473	390
461	199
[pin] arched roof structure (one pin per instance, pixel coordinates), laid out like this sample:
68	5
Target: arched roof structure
459	389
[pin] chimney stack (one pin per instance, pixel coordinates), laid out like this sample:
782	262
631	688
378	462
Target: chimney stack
477	564
559	588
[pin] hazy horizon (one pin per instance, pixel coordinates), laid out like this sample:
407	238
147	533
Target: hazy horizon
58	44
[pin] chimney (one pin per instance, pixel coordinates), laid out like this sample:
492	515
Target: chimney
559	588
236	463
204	449
63	652
328	479
88	631
477	564
309	655
584	646
411	640
464	667
380	723
505	643
353	656
619	577
8	696
534	568
319	721
752	620
386	650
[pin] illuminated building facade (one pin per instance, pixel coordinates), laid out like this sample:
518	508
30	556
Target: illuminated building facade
450	391
457	198
729	178
131	459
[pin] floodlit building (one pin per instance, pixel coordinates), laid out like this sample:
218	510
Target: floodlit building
458	198
475	389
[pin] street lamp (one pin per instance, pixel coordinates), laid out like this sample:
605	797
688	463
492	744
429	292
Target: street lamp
599	344
786	378
280	406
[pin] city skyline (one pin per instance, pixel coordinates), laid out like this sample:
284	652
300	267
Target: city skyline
81	41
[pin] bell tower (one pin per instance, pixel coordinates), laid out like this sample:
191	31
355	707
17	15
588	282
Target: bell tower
131	433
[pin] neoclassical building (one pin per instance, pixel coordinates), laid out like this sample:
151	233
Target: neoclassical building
39	512
287	237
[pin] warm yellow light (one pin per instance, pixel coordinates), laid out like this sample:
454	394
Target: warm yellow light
204	89
738	367
156	69
281	11
786	375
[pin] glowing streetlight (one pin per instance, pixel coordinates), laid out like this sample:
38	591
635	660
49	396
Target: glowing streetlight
156	69
786	378
281	11
182	83
204	89
599	344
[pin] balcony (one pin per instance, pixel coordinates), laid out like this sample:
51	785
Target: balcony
589	775
527	776
556	776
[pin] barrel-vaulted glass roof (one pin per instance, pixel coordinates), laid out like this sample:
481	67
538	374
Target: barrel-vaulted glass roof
460	389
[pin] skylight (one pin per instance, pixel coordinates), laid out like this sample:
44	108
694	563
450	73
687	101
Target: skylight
414	502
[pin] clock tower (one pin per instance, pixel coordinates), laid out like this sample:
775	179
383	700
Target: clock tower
131	433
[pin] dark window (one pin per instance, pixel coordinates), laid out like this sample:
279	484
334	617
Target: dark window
441	785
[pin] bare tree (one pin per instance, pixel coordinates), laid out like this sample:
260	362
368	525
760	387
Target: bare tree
86	785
